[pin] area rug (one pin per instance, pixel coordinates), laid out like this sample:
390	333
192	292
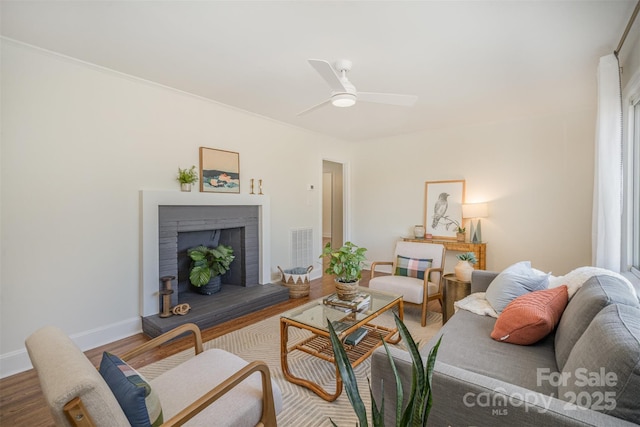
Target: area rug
301	407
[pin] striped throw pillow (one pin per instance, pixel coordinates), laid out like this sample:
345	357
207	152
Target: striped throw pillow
137	399
412	267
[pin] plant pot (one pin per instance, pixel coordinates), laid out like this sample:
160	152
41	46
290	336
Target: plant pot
185	186
214	286
347	291
297	280
463	270
460	237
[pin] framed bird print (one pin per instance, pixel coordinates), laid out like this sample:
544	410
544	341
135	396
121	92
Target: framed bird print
443	208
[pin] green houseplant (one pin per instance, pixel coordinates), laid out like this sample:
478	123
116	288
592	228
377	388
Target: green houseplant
345	263
416	412
464	267
207	265
186	177
470	257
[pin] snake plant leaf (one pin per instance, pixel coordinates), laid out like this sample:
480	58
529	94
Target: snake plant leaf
423	399
419	401
399	390
414	403
431	363
348	377
377	414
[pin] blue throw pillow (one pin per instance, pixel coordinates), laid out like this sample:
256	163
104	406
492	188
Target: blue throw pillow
512	282
137	399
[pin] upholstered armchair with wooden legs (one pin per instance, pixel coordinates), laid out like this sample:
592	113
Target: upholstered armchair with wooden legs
416	274
214	387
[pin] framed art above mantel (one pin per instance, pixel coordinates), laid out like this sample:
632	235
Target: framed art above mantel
219	171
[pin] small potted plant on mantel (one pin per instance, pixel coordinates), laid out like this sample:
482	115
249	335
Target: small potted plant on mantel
460	234
345	264
186	177
208	265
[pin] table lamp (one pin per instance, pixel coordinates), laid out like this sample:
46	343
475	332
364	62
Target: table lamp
475	211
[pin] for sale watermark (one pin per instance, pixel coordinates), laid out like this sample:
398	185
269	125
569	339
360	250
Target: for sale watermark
597	394
598	397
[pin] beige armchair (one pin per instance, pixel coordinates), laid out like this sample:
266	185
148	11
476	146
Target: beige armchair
416	274
214	387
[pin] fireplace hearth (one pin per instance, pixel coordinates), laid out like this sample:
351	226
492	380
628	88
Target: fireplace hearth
210	310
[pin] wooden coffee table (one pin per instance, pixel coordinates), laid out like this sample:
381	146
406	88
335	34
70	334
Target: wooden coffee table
313	317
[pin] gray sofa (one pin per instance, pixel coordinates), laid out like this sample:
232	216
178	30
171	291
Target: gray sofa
592	359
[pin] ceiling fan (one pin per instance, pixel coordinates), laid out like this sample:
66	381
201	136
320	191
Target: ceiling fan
344	94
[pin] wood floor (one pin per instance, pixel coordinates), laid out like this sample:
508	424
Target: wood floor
21	399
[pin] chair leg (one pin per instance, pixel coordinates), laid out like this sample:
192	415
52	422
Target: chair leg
423	321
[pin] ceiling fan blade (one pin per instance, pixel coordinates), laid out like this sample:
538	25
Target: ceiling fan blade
315	107
388	98
329	75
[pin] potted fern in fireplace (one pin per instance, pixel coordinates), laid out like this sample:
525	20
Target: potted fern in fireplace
208	265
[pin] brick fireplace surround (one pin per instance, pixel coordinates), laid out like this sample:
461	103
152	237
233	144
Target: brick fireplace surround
244	221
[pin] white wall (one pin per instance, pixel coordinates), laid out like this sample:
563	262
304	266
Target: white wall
536	175
78	144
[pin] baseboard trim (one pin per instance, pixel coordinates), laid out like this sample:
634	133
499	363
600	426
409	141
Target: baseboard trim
18	361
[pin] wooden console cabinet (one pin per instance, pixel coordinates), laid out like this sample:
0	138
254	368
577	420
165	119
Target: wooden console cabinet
480	249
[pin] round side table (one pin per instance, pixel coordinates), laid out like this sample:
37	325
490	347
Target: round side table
454	290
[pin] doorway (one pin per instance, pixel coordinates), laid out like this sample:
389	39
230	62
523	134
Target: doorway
332	203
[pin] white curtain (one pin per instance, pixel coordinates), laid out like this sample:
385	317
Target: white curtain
607	189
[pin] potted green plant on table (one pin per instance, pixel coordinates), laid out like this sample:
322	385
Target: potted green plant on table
416	411
345	263
186	177
460	234
208	265
464	267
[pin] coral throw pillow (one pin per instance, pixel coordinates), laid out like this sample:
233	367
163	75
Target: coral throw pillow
531	317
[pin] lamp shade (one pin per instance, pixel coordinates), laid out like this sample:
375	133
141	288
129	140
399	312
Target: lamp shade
475	210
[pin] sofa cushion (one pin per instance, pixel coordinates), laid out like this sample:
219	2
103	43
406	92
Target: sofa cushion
411	289
595	294
517	279
603	369
412	267
240	407
531	317
138	400
467	344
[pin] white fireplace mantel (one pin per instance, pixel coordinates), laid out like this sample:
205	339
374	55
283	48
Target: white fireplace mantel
150	200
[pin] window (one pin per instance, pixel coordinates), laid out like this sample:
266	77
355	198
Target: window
631	234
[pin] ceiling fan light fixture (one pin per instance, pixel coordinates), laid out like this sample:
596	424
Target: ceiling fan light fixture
343	100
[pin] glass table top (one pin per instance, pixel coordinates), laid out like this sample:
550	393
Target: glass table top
315	313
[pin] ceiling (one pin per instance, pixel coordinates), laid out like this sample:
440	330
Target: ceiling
467	61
